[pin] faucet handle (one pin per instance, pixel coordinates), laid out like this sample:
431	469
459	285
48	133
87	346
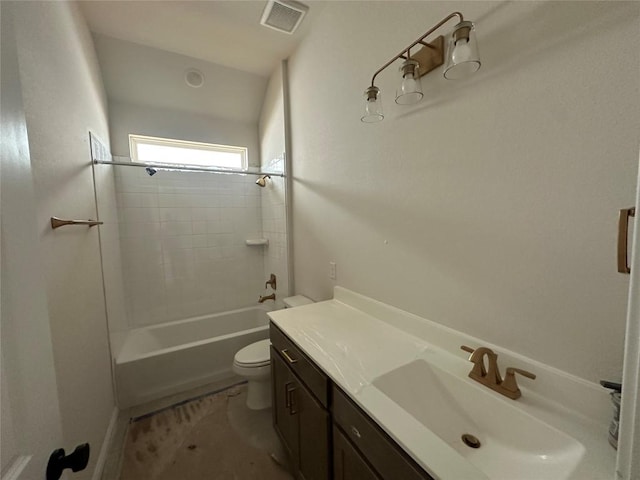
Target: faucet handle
477	358
271	281
509	383
524	373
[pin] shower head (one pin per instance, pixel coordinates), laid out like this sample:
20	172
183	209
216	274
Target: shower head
262	181
151	171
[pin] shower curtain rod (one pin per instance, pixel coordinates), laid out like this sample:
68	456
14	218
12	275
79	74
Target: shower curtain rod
186	168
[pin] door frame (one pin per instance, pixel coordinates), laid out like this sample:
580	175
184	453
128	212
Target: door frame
628	460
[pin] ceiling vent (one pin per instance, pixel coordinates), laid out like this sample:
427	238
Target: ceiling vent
283	15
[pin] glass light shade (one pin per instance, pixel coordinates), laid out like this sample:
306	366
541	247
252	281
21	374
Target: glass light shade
462	54
410	90
373	106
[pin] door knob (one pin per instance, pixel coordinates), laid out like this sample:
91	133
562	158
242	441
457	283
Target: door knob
76	461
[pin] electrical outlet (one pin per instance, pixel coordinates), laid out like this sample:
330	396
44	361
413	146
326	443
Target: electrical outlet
332	270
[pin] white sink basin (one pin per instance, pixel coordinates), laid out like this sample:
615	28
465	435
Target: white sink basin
514	444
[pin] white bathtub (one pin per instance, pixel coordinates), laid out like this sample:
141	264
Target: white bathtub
161	360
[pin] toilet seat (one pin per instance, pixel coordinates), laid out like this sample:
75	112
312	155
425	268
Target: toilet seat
254	355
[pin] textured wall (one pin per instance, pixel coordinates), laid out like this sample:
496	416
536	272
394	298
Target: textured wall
272	153
105	187
490	207
29	408
63	100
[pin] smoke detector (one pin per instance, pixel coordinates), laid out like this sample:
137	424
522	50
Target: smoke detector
283	15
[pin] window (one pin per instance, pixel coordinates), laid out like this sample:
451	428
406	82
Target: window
182	152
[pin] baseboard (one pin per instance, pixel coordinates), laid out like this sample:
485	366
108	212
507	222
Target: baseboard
106	443
147	397
17	467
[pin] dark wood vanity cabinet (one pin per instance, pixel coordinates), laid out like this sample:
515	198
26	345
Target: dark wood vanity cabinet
284	420
375	449
348	463
300	415
326	433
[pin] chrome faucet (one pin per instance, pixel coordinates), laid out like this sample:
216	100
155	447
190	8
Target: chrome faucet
267	297
490	375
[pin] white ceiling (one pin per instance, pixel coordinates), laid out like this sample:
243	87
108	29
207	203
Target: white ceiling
222	32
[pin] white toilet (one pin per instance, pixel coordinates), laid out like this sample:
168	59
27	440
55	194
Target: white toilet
253	362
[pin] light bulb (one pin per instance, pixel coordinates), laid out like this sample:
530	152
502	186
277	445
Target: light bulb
410	90
461	51
373	106
463	58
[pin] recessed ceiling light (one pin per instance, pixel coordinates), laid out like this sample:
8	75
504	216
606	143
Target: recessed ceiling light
194	77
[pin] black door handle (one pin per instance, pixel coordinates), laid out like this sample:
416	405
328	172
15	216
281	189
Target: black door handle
76	461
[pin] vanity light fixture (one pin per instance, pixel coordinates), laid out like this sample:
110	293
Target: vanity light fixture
410	90
373	105
462	60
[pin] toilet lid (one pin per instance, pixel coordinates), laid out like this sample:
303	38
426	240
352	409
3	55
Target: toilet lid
256	354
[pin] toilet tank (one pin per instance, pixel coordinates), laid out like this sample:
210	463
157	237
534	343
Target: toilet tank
296	301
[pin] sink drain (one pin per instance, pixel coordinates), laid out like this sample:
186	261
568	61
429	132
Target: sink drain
471	441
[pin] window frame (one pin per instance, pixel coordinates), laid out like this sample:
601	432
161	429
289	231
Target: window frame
135	140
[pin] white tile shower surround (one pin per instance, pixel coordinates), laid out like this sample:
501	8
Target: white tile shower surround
182	238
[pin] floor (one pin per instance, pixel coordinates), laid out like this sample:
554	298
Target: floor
211	436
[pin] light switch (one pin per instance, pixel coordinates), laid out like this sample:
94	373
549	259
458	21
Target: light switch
332	270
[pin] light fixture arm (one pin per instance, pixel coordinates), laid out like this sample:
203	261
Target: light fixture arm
405	53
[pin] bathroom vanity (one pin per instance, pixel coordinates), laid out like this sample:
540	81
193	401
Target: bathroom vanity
351	447
365	391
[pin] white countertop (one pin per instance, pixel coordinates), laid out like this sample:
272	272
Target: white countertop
354	340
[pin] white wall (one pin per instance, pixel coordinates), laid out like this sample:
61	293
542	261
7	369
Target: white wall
271	123
127	118
63	100
272	154
29	406
111	256
141	75
491	207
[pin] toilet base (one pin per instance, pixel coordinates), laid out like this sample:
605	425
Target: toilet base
259	394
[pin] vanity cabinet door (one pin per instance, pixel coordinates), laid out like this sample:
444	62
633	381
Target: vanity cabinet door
348	464
385	456
313	435
301	422
284	419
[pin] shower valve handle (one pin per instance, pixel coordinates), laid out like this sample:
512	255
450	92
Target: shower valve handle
271	281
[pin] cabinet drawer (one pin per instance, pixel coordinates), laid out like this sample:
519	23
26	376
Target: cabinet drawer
348	464
389	460
315	380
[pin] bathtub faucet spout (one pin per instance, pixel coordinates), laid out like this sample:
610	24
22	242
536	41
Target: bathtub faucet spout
267	297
